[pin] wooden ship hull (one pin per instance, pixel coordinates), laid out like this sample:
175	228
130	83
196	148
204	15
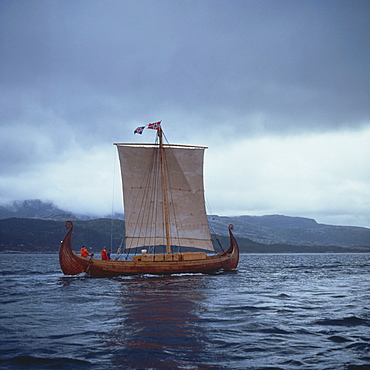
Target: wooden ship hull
158	264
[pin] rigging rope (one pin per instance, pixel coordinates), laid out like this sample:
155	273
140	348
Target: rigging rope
113	188
208	207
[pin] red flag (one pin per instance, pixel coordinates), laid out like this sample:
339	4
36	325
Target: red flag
139	130
155	125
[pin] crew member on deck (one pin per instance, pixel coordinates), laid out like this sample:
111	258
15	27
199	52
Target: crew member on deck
84	252
104	254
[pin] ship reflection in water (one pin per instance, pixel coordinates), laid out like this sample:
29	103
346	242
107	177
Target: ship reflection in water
158	325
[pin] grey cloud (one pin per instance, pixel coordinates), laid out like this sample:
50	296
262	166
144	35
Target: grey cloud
301	63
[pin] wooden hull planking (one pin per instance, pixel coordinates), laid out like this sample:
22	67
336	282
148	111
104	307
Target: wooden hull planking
73	264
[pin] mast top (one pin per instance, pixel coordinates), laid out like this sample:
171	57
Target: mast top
156	126
167	145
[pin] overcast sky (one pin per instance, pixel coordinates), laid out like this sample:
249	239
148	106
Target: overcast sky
278	90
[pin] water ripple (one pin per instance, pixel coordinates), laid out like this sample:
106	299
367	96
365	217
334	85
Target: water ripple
276	311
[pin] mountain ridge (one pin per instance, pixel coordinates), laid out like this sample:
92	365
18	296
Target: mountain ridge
263	232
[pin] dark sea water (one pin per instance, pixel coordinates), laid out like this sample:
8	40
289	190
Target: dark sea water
287	311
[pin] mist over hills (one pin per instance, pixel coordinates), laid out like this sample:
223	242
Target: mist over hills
36	225
38	209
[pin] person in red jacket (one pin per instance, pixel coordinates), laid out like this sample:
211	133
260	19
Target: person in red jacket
104	254
84	252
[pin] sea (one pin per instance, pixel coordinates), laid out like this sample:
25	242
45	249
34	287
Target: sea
277	311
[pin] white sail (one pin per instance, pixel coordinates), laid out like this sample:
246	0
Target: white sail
143	196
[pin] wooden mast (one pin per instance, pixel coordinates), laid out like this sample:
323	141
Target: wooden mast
164	187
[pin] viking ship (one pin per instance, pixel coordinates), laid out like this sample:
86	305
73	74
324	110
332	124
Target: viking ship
164	214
